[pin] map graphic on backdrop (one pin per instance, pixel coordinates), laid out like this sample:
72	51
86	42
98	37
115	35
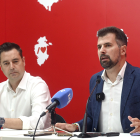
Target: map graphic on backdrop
41	50
47	3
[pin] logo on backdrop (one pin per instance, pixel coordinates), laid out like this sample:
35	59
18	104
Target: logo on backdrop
41	50
47	3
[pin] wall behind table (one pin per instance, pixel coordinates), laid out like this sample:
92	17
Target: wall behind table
71	27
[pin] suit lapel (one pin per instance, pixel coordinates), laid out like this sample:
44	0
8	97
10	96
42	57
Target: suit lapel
127	84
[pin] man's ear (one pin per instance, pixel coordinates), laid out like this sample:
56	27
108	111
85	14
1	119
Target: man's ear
23	59
123	50
0	65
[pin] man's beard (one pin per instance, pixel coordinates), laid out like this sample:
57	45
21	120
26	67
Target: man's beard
108	64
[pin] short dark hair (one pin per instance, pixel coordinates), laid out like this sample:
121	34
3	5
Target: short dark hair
121	38
7	46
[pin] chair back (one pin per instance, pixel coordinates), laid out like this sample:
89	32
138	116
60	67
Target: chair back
60	119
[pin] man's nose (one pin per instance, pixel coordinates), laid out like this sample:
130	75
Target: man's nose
102	50
11	65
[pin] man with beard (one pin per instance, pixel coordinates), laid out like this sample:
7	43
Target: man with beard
120	110
22	97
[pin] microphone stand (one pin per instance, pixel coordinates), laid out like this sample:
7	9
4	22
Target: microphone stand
84	129
53	122
53	118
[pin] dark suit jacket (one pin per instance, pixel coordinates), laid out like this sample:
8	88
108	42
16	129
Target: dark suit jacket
130	100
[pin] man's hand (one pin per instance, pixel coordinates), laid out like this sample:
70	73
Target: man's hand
135	123
66	126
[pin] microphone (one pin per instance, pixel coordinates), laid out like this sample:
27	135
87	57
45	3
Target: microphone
84	129
61	99
100	96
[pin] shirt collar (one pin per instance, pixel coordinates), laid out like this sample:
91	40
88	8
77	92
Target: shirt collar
119	76
22	84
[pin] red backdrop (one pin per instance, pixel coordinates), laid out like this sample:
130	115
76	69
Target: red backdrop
71	27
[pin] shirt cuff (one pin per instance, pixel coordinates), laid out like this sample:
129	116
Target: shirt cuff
26	122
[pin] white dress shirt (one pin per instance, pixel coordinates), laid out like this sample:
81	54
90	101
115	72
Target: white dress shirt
32	96
110	120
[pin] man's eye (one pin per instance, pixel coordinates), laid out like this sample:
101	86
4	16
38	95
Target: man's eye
108	45
99	47
6	63
15	61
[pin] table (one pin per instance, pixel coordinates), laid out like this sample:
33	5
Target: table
10	134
